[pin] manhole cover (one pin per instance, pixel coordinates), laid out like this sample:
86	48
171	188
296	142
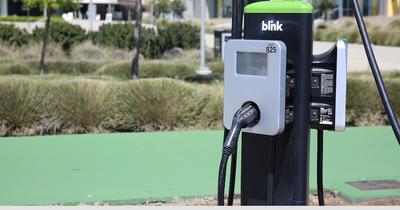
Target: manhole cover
375	185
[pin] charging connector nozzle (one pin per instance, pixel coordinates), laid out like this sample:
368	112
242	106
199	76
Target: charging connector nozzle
247	116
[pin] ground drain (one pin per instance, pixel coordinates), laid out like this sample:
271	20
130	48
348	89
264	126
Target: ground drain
375	185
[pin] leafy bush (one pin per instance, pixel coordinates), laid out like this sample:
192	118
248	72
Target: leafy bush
62	33
15	18
178	34
11	35
115	35
153	44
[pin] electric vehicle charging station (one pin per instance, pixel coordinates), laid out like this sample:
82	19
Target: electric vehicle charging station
255	71
276	91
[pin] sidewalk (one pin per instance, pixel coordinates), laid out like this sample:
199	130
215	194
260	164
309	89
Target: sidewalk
132	168
388	57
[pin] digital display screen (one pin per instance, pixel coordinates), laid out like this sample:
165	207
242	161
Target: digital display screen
251	63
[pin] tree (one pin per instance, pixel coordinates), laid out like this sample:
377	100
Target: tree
178	7
325	6
136	33
49	6
161	7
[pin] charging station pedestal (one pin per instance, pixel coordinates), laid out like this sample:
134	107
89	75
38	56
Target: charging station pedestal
294	91
275	169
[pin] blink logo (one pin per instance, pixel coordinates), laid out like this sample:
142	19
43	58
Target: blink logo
271	26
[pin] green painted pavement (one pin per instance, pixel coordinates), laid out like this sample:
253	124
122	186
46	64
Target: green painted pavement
129	168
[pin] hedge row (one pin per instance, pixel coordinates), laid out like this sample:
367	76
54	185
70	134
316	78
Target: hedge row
38	105
52	105
154	42
120	70
387	35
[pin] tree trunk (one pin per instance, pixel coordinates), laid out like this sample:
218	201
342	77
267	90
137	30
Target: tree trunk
326	14
136	33
42	66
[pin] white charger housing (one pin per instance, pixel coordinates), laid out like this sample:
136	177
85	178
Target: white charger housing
255	71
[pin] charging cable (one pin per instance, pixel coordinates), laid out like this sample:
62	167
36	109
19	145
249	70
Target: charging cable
376	72
382	92
320	164
247	116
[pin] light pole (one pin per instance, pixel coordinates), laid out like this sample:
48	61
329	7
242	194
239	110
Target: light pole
91	15
204	70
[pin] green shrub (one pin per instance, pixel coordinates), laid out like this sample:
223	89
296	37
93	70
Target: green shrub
37	34
178	34
11	35
82	105
363	109
115	35
88	51
54	104
69	67
388	35
15	18
378	37
153	44
317	34
16	68
158	104
72	67
393	25
217	67
393	86
393	39
63	33
20	102
170	69
214	109
150	69
329	35
121	36
119	70
351	34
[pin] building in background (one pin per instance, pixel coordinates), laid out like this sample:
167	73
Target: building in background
214	8
342	8
12	7
120	9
